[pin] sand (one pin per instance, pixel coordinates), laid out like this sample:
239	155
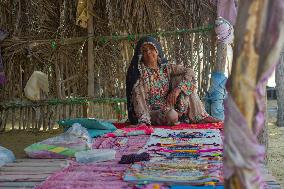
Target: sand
275	144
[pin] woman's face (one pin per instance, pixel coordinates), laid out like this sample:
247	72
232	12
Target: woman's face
149	53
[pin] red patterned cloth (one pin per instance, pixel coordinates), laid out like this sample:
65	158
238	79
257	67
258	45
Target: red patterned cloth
181	126
131	131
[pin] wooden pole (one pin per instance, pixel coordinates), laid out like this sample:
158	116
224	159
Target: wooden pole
245	64
279	77
221	57
259	30
91	64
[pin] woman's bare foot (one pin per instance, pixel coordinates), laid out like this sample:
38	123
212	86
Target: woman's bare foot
210	119
172	117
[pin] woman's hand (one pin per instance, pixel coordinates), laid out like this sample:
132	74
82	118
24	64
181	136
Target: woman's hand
172	97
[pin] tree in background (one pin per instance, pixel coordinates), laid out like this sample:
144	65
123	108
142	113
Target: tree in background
279	80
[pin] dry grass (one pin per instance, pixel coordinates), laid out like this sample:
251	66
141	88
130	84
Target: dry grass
275	144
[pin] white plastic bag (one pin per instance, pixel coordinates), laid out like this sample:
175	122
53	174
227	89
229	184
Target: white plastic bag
95	155
6	156
37	82
65	145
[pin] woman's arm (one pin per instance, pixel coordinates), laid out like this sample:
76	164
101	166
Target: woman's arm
182	78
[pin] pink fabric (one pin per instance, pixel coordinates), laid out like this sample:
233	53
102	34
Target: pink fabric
148	130
102	175
227	9
224	31
107	175
122	145
226	18
196	126
242	149
181	126
141	129
269	44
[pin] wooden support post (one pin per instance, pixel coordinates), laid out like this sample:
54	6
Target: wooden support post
255	52
279	79
221	57
91	63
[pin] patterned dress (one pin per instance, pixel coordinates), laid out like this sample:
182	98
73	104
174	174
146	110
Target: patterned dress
151	91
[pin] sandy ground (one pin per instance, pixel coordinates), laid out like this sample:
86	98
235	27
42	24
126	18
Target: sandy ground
276	152
18	140
275	145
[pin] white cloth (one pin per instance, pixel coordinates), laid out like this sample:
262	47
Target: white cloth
37	82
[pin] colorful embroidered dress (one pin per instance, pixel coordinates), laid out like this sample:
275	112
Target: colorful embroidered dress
147	90
151	91
158	83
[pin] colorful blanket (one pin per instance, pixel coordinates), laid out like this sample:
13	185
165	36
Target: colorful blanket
109	175
102	175
191	157
180	126
140	130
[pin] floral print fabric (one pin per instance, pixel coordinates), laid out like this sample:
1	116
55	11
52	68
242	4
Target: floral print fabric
151	91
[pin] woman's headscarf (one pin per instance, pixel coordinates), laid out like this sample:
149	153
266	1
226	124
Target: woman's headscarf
133	72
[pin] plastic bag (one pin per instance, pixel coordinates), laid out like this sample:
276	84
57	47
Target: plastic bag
89	123
75	139
37	82
95	127
95	155
6	156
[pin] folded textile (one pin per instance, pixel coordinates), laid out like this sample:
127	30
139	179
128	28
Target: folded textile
89	123
94	127
122	145
65	145
132	158
180	126
102	175
140	130
97	133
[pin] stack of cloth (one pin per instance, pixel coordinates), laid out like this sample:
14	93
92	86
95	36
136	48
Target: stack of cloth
188	157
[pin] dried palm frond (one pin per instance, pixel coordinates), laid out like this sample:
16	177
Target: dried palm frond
35	25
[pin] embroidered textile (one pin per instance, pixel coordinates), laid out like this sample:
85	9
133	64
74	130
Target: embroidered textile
190	157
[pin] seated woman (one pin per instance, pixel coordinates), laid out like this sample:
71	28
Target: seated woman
159	93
